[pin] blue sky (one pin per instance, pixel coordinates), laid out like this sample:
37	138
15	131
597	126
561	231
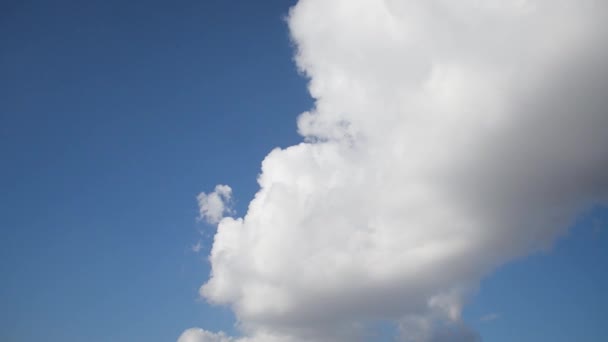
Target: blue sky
113	117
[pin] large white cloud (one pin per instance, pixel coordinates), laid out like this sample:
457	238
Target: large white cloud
448	137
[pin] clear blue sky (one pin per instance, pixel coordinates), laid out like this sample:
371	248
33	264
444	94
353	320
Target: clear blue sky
114	115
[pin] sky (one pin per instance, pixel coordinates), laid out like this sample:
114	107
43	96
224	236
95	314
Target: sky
440	172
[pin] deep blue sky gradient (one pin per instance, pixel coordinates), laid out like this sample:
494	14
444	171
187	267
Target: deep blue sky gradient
114	115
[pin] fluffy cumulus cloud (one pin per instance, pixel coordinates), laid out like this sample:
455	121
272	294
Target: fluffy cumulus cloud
447	138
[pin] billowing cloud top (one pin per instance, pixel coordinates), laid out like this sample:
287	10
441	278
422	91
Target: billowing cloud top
447	138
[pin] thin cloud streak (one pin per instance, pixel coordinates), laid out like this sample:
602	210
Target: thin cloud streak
489	317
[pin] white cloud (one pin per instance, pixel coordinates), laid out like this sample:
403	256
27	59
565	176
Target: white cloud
447	138
214	205
200	335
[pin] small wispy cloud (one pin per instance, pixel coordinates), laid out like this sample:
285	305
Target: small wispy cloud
214	205
196	247
490	317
